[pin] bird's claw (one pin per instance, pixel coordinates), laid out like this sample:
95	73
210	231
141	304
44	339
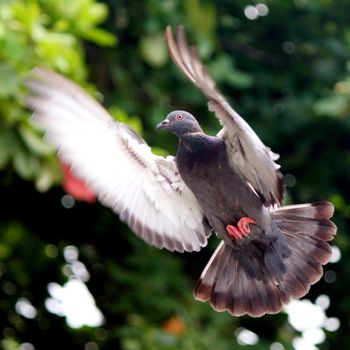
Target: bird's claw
242	230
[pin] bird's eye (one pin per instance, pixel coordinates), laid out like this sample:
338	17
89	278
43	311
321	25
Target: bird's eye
179	117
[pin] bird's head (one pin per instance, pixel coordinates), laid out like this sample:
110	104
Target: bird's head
180	123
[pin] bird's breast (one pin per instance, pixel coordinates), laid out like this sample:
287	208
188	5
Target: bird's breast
198	157
220	192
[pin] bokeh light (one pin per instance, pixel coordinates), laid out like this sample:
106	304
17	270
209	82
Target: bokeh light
246	336
25	308
311	320
74	301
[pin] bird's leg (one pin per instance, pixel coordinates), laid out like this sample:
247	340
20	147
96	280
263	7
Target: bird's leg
233	232
243	224
242	230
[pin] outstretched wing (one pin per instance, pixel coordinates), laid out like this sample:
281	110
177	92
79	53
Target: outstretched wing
144	189
248	156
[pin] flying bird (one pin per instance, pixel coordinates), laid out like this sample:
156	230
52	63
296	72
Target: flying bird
229	184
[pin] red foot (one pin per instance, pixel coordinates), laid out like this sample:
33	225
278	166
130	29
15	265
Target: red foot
242	230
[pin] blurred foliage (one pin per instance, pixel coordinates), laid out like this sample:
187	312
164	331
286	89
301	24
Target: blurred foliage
287	72
50	34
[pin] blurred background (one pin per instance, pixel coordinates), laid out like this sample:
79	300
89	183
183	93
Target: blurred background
71	274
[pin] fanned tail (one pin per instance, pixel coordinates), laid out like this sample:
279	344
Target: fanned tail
286	267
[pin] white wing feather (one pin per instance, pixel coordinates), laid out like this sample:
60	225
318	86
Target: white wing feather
144	189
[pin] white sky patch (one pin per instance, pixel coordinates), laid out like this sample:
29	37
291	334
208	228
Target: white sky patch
26	346
70	253
25	308
74	301
336	254
314	335
311	320
79	270
302	344
262	9
323	301
246	337
276	346
332	324
74	267
253	12
303	314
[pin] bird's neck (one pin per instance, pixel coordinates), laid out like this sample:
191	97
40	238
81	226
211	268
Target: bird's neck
197	150
192	141
182	130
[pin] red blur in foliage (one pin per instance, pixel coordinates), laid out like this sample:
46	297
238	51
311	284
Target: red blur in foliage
77	188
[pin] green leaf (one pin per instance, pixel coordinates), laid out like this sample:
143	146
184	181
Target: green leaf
48	174
10	344
14	48
4	158
27	13
2	30
34	141
6	146
98	36
202	16
334	105
25	163
153	49
223	69
123	117
66	59
9	82
60	39
160	151
96	13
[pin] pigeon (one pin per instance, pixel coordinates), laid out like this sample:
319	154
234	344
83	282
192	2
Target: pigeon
229	184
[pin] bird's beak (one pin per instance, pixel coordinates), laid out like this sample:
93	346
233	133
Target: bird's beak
163	124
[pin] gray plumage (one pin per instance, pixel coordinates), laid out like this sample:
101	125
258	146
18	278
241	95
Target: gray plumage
234	175
250	158
284	253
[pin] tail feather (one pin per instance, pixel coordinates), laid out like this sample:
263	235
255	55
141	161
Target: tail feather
316	210
320	250
275	298
237	300
295	285
223	280
274	261
210	272
243	282
257	299
313	268
319	229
